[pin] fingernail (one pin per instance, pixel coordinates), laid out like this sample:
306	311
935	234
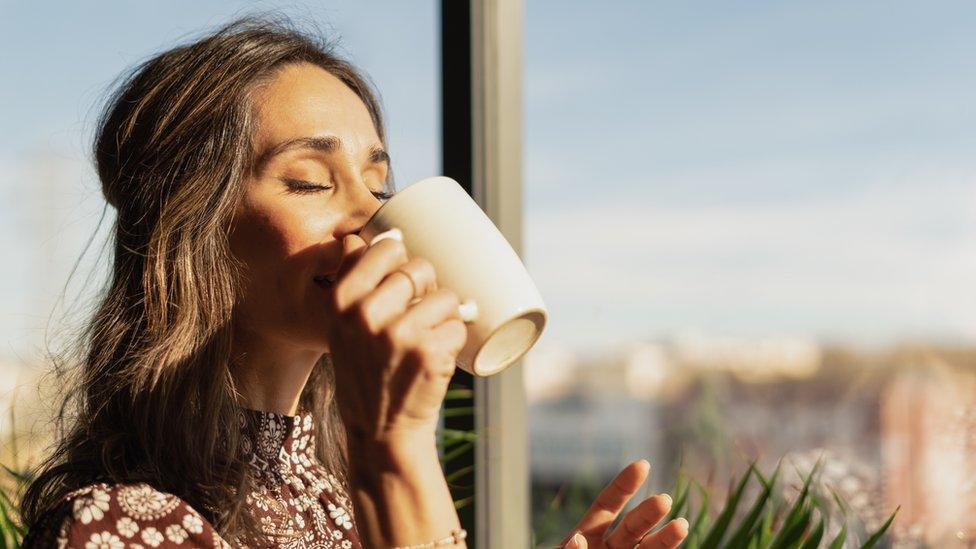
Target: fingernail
393	233
667	497
576	542
468	310
347	244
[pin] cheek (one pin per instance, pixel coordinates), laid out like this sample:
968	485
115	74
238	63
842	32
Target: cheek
279	249
282	250
258	241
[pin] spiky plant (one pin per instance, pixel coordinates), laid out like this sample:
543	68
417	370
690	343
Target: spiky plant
769	522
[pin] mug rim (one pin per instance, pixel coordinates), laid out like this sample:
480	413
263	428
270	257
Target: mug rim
403	190
531	309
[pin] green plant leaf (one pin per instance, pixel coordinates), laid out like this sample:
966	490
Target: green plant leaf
458	394
873	540
839	501
697	531
813	541
459	411
799	511
8	530
451	435
717	532
838	542
680	499
766	528
763	479
459	473
463	502
8	511
456	452
792	532
745	531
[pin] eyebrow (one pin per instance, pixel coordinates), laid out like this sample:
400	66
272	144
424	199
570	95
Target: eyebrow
328	144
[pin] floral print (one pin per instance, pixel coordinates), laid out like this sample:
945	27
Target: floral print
91	506
297	502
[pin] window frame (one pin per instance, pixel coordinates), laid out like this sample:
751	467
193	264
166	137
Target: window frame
481	68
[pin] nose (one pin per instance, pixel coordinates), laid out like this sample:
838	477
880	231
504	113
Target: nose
360	207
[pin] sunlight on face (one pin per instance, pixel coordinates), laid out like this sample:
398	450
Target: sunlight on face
319	176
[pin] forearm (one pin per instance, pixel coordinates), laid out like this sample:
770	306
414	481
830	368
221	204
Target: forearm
400	494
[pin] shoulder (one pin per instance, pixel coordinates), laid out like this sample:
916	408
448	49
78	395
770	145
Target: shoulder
122	516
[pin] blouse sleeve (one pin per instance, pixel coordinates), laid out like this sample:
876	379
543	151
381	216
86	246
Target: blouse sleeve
124	516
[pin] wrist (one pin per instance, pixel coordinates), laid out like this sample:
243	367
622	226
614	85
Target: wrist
399	490
393	442
400	453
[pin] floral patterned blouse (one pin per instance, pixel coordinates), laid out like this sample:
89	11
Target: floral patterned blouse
296	496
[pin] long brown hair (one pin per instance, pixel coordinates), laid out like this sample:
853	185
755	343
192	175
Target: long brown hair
151	395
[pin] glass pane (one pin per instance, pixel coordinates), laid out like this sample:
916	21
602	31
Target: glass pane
756	233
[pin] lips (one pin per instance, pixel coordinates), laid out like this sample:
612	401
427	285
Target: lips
326	281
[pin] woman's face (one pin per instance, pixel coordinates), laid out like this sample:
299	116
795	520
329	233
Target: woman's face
319	171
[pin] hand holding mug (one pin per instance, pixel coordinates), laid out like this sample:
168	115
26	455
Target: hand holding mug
440	222
394	341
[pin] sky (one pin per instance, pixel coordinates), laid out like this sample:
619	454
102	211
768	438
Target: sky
751	169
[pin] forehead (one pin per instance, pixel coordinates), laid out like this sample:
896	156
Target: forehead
305	100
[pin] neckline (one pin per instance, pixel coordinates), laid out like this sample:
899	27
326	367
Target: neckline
275	439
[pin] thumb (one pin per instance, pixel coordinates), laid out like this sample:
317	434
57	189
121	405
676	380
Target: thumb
353	246
576	542
352	242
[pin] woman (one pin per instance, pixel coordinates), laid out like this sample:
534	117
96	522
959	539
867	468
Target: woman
255	374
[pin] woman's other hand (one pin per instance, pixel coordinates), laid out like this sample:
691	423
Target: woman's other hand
393	360
634	527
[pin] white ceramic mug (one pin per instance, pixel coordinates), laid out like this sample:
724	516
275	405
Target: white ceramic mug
440	222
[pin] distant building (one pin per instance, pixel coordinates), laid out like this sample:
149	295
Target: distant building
929	436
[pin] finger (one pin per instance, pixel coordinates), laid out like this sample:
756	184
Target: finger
353	247
365	274
639	521
613	498
394	294
435	308
453	334
668	537
576	542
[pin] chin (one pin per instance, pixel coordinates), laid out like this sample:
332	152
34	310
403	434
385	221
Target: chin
315	341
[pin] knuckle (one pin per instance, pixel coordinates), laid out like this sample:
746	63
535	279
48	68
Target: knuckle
632	530
395	248
602	503
437	365
398	333
658	506
426	267
459	331
429	355
450	297
667	539
430	351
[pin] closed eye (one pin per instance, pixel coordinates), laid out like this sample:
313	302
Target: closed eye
300	186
